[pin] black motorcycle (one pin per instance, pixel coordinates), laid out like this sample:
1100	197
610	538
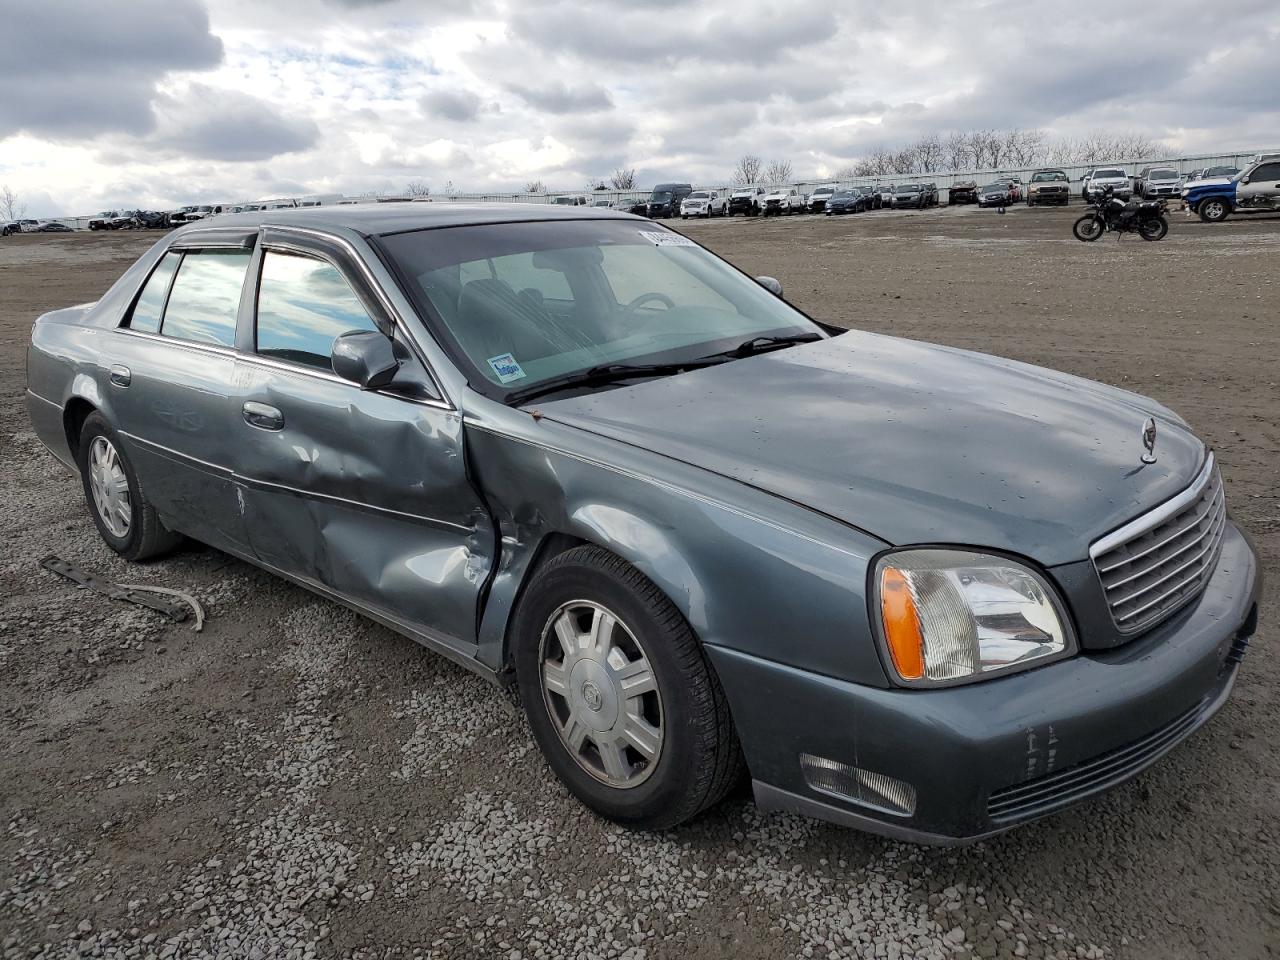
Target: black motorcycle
1144	217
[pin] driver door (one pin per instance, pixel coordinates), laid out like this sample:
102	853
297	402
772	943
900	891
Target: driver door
1263	188
360	493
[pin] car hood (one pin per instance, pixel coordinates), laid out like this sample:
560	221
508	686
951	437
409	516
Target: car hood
912	442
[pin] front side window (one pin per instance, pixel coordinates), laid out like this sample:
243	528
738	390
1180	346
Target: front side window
304	304
1268	171
150	305
528	302
206	296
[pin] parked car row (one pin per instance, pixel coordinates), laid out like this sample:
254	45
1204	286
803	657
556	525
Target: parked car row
8	227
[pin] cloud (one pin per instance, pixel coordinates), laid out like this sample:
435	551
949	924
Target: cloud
219	125
74	69
557	97
459	105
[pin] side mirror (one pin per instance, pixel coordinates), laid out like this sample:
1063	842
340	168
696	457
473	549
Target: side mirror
1244	180
770	284
366	358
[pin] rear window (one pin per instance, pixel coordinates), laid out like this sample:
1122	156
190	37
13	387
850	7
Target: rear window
150	305
206	296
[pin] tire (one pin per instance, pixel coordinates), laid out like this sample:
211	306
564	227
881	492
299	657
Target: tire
1214	209
695	758
1159	227
1088	228
134	531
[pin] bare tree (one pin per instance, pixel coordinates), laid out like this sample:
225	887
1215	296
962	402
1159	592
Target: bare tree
749	169
535	186
955	151
11	205
418	188
930	153
624	178
778	171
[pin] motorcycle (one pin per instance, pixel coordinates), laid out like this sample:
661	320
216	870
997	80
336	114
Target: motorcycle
1146	218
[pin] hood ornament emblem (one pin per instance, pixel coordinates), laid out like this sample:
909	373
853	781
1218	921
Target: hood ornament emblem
1149	440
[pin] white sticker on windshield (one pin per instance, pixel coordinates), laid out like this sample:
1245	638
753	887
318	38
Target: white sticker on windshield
506	368
667	239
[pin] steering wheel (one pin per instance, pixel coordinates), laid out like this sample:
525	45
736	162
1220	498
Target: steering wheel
644	298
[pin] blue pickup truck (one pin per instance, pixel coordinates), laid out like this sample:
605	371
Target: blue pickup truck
1256	189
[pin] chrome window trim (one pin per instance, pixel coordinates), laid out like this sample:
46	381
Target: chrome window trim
179	342
392	313
1153	518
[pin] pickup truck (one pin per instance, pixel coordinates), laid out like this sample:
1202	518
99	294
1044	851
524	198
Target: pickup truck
745	200
111	220
786	200
1256	189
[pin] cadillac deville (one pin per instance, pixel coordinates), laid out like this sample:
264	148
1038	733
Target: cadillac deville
911	589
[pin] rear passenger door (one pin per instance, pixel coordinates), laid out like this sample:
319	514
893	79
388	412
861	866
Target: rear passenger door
363	493
169	387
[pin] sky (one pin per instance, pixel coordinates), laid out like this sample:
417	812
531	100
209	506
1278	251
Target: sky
156	103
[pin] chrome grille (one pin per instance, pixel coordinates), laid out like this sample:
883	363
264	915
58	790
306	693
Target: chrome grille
1154	565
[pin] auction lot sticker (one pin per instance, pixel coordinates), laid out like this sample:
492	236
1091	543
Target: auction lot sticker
506	368
666	239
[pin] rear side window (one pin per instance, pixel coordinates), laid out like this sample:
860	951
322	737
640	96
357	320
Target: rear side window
150	305
206	296
303	305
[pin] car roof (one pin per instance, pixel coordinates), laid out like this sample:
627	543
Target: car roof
381	219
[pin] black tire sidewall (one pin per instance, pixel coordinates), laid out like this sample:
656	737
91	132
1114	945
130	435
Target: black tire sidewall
96	425
677	764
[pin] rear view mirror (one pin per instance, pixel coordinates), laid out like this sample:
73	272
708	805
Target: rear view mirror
366	358
770	284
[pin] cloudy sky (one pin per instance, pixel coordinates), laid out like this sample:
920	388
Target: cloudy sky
154	103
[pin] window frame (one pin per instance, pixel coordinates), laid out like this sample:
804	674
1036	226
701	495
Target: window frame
379	322
343	257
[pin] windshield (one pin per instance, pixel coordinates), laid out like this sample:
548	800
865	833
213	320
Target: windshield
698	195
523	303
996	188
660	196
842	195
1048	176
1222	171
909	188
1163	174
1109	175
830	190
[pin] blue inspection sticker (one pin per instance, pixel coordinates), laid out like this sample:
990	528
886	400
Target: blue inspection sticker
506	368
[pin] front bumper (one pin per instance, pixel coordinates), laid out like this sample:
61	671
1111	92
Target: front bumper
988	756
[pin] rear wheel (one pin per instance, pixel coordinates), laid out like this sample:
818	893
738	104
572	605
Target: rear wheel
1153	228
1088	228
619	694
1214	210
121	511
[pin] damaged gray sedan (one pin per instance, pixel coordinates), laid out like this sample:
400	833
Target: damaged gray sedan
910	589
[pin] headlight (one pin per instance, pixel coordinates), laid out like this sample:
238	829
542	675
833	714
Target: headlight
953	616
1185	191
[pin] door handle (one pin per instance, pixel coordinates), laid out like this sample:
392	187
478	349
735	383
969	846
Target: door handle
262	416
120	375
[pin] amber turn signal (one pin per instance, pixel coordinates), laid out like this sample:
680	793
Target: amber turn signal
901	624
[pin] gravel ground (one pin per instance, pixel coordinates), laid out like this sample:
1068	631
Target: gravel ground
295	781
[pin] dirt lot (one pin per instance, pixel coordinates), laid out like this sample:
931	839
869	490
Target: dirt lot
294	781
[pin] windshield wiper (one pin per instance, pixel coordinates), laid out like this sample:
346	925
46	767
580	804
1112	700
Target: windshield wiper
611	373
764	344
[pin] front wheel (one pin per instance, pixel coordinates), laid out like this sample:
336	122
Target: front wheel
1214	210
1089	227
619	695
1153	228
